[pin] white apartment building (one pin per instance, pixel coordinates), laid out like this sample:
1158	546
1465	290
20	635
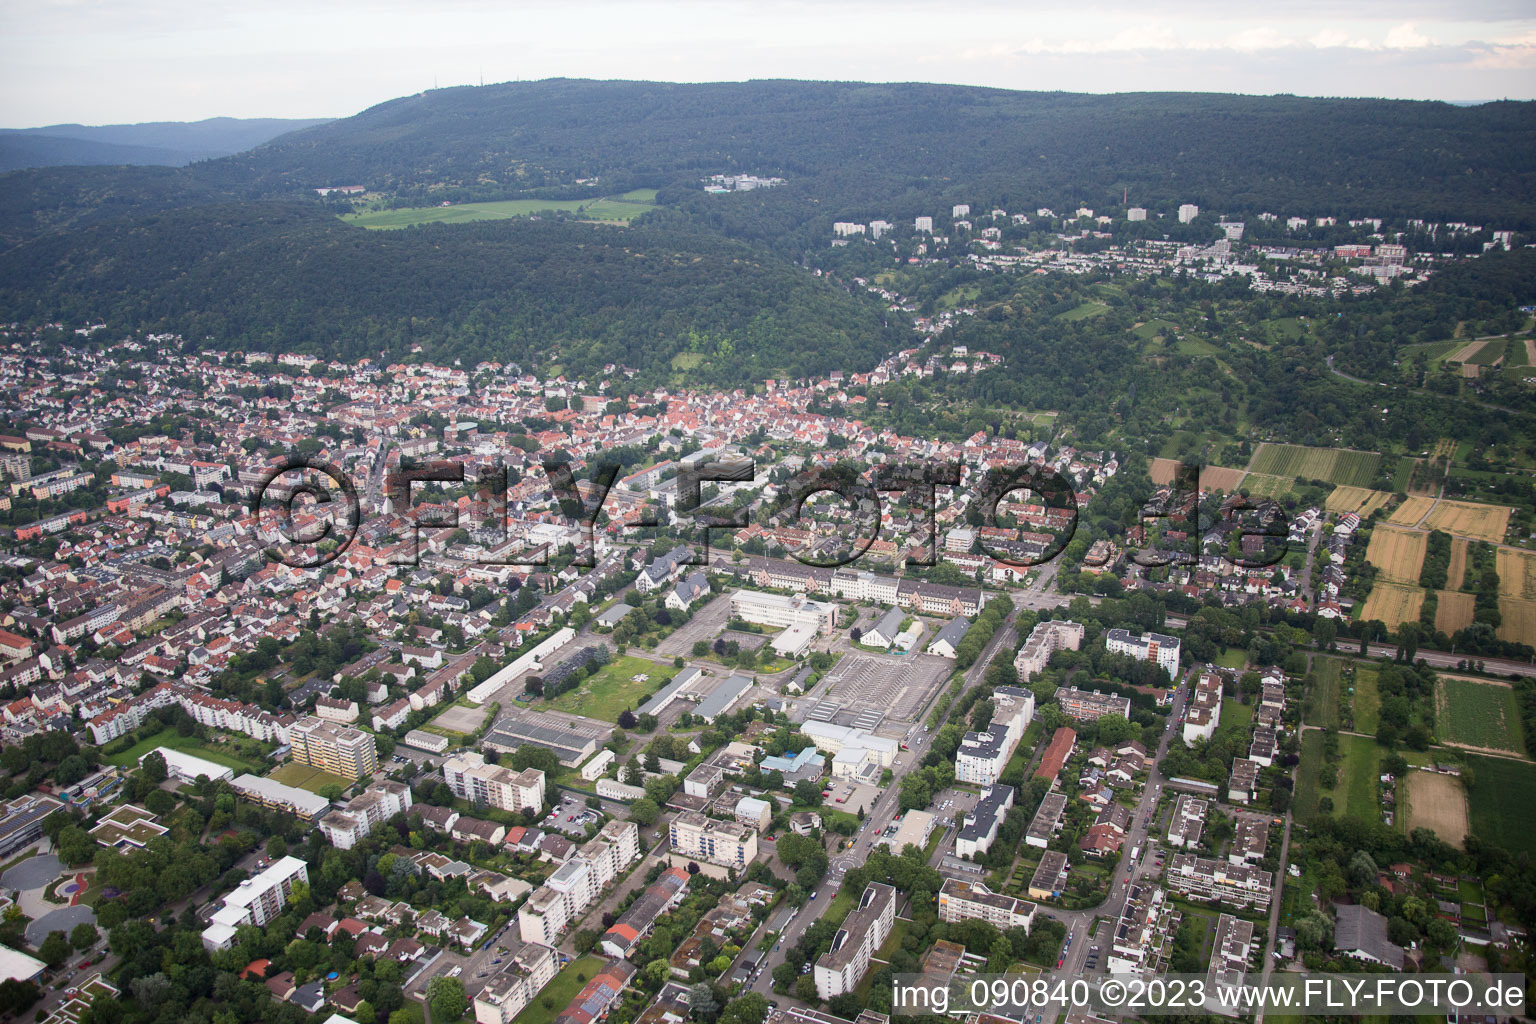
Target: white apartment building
1204	878
964	901
1045	640
1203	712
491	785
1188	212
256	901
727	843
1154	647
553	906
863	932
924	224
365	812
1136	213
983	755
525	970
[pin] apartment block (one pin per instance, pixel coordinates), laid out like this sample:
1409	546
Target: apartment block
554	906
1188	820
334	748
1047	820
1202	878
1153	647
863	932
980	829
1045	640
491	785
1091	706
1203	712
1143	935
365	812
726	843
525	970
964	901
255	901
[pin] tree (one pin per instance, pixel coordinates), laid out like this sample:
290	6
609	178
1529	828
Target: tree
644	811
84	936
751	1008
17	996
445	998
55	949
627	719
702	1004
585	940
153	767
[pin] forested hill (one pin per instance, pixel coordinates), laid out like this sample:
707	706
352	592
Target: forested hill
291	277
859	144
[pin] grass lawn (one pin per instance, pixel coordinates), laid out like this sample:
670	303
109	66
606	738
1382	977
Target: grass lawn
1359	766
302	776
1323	705
615	689
1367	699
557	995
614	208
841	906
186	744
1235	717
1233	657
1500	797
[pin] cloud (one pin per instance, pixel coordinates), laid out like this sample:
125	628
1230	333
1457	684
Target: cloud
1407	37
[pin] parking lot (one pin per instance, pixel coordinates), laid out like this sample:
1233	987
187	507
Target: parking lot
572	816
705	625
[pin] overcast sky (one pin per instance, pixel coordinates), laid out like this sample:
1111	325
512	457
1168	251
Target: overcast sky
111	61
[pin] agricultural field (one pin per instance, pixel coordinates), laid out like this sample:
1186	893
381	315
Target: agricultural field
1492	351
1162	471
1517	572
610	208
1262	485
621	685
1393	604
1518	620
1360	500
1397	554
1501	796
1480	714
1335	465
1467	353
1456	572
1436	802
1465	519
1220	478
1411	511
1453	611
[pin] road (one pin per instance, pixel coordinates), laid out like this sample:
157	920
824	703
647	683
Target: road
882	814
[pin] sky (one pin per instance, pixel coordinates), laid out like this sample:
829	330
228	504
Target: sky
123	61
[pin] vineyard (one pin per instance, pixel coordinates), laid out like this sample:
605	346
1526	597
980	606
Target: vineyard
1334	465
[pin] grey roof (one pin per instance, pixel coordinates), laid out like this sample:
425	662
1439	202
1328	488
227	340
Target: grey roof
953	632
889	624
1360	929
724	695
991	807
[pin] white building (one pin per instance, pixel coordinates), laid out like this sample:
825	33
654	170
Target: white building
1155	647
783	611
924	224
566	894
1045	640
186	767
726	843
863	932
472	779
1136	213
964	901
1188	212
256	901
525	970
597	764
365	812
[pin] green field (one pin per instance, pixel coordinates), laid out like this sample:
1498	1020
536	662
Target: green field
302	776
1262	485
614	689
1502	793
1367	699
1323	704
1355	794
1491	352
557	995
1478	714
1233	658
609	208
187	745
1335	465
1083	312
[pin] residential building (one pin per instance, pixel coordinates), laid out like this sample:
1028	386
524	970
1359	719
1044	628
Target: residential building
1154	647
256	901
864	931
365	812
1090	707
1187	821
1362	933
526	969
726	843
1143	936
482	784
1237	885
1045	640
1050	877
349	753
980	829
1202	714
963	901
1047	820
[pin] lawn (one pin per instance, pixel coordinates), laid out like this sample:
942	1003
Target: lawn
1367	699
557	995
1500	797
615	688
1478	714
611	208
1323	704
1083	312
302	776
1355	794
186	744
1235	717
1233	658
